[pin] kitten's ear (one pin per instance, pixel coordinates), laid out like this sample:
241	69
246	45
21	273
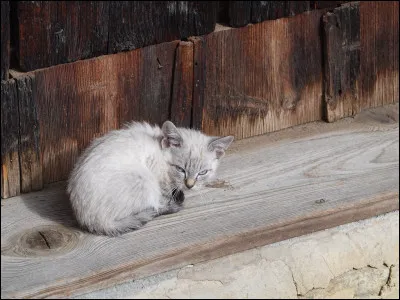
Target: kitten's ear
219	145
171	136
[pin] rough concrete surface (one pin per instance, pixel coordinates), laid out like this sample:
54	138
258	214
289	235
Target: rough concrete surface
356	260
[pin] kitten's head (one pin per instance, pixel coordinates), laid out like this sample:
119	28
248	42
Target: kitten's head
194	156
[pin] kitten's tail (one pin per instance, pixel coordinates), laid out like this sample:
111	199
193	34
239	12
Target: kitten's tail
128	223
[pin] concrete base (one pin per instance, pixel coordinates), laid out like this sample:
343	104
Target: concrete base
356	260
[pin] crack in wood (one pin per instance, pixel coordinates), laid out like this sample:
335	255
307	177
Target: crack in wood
45	239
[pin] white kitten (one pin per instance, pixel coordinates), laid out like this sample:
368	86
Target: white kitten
129	176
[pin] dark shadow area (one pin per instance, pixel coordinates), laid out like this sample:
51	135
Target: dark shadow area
223	13
14	35
52	204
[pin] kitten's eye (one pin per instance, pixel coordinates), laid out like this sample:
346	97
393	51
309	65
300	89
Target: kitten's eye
180	169
203	172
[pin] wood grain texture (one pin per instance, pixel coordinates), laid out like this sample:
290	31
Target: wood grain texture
241	13
296	7
5	40
199	61
56	32
267	10
325	4
79	101
271	10
268	190
260	78
342	61
10	169
135	24
29	148
395	65
379	66
182	87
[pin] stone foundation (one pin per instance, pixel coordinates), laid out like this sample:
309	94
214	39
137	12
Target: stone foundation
357	260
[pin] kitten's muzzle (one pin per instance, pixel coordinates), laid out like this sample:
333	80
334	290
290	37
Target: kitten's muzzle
190	183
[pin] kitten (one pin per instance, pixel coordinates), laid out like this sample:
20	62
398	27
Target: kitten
129	176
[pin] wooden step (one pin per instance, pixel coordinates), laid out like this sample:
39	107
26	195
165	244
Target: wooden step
270	188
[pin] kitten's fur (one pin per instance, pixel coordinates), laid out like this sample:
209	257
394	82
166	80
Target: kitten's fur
129	176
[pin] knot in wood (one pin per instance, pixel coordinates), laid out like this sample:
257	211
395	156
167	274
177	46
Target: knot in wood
42	241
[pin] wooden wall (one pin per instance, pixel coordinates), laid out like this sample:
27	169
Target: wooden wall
253	82
241	68
5	39
56	32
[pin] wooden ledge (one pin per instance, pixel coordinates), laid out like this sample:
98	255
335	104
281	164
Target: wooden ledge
270	188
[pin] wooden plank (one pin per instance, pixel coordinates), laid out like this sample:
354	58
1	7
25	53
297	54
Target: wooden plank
325	4
78	101
367	53
5	39
56	32
379	51
267	10
296	7
10	175
239	13
269	189
395	64
135	24
271	10
383	52
182	90
260	78
30	156
342	61
199	62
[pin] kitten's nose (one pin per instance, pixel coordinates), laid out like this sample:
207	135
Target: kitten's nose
190	183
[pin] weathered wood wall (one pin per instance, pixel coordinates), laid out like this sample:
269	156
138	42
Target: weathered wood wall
241	13
379	56
134	24
342	61
10	174
5	39
78	101
361	57
56	32
326	63
260	78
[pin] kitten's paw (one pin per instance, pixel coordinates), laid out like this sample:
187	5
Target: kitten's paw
178	196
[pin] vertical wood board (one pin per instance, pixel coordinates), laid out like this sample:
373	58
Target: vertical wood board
182	87
5	39
10	174
342	61
260	78
135	24
57	32
241	13
379	66
29	148
79	101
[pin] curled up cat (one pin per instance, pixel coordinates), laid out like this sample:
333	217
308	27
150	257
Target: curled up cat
131	175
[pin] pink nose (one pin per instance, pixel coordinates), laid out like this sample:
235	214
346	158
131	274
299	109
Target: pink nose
189	183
